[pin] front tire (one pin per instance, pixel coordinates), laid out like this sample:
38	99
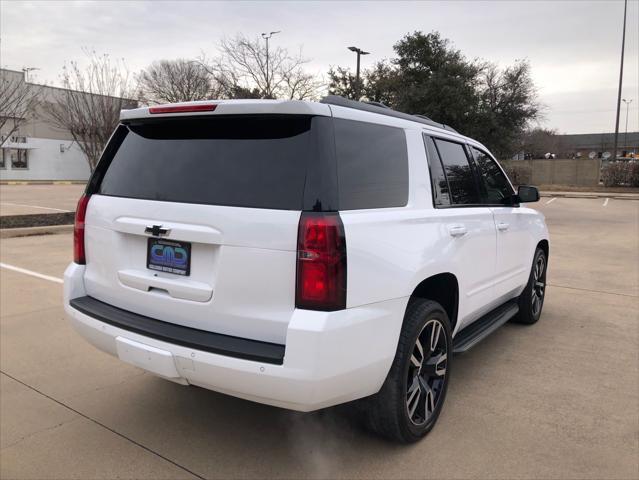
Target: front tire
410	401
531	300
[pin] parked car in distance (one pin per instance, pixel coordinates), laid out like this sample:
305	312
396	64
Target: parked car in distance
302	254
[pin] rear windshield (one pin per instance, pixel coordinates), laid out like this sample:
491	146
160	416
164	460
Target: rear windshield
239	161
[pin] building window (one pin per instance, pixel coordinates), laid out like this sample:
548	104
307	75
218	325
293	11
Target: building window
3	156
19	158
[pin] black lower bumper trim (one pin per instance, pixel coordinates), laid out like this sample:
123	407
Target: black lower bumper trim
177	334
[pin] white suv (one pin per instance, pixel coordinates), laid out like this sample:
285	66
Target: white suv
302	254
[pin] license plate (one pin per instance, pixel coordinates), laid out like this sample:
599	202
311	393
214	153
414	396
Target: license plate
169	256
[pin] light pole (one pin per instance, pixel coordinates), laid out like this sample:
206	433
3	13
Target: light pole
623	45
267	36
359	52
625	137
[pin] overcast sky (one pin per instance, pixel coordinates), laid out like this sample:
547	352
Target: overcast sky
573	46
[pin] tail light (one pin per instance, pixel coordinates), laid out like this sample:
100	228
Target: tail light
321	262
78	230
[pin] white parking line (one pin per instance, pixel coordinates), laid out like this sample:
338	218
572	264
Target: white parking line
33	206
606	202
31	273
551	200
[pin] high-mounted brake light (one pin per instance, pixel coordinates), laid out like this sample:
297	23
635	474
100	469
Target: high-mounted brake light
78	230
321	262
182	108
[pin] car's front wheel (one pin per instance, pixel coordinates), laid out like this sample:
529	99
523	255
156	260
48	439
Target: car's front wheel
408	404
531	300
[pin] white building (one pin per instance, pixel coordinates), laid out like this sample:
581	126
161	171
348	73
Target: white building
38	151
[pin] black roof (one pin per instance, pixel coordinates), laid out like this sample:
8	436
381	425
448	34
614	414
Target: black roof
376	107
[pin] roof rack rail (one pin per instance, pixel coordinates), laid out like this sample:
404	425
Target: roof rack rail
376	107
377	104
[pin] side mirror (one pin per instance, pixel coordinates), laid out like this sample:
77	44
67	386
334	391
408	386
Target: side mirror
527	194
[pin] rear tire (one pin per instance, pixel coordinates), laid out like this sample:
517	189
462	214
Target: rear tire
410	401
531	300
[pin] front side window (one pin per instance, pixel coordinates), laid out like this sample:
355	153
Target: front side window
441	194
461	179
495	185
372	165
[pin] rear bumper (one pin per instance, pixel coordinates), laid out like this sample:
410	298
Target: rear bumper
329	357
179	335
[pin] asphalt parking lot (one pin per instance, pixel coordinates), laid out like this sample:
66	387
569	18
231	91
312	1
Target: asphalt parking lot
559	399
33	199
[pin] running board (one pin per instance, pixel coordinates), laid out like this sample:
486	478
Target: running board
480	329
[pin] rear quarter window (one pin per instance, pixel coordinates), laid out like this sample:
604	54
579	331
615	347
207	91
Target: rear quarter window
372	165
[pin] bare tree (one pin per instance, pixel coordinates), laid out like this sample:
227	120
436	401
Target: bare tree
507	106
241	68
18	100
536	142
90	103
181	80
302	85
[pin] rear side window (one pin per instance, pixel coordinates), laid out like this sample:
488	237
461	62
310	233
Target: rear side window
494	183
239	161
372	165
461	178
441	195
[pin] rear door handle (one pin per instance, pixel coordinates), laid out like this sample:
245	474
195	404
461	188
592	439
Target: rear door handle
457	230
502	226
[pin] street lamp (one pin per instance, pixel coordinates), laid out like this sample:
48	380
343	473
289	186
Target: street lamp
267	36
359	52
623	46
625	137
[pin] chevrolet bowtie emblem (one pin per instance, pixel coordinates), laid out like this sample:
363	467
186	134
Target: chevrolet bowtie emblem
157	230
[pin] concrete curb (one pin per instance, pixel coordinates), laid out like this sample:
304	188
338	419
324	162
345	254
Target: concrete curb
36	220
29	231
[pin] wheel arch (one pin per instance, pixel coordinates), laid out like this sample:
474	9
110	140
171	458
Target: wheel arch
545	246
442	288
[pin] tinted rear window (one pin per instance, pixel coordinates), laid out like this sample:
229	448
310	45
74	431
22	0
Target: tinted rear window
234	161
372	165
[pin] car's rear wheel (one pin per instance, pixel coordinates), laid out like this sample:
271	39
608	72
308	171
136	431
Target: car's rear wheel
408	404
531	300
